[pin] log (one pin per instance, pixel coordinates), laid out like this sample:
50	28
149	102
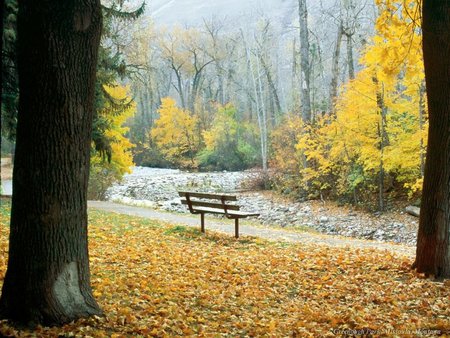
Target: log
412	210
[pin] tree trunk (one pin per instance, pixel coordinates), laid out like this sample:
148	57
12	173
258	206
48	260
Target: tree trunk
335	69
433	251
383	140
304	61
422	114
48	278
179	87
1	81
271	84
262	119
350	62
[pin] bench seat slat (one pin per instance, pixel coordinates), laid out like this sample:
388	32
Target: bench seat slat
222	212
196	203
206	195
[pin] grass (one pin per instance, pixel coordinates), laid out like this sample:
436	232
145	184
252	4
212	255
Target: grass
156	279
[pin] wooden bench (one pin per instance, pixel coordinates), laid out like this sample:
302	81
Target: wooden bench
206	203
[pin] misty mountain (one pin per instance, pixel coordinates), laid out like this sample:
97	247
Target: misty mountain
236	13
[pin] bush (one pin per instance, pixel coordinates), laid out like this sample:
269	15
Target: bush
100	180
228	143
150	157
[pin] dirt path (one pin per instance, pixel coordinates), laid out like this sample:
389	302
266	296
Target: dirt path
257	231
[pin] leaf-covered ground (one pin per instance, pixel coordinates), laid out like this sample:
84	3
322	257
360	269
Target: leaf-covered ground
159	280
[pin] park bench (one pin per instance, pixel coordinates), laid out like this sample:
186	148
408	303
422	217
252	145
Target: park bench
207	203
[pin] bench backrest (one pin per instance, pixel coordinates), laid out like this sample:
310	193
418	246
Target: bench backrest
197	199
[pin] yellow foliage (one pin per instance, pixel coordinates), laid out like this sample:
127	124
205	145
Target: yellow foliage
313	144
176	134
121	157
285	158
102	172
380	122
159	280
393	75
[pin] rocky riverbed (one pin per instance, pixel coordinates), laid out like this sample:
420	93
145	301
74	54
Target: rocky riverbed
157	188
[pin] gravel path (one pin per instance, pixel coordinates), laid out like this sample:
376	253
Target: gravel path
270	233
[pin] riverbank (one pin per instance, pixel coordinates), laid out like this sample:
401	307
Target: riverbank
157	189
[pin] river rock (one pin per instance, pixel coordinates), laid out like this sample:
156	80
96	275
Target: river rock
158	188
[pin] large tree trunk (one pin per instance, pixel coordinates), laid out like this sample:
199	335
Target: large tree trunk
1	81
48	279
433	251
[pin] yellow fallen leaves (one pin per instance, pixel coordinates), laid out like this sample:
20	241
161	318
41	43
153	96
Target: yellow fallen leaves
159	280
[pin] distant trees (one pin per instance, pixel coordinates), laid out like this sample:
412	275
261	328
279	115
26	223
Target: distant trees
361	118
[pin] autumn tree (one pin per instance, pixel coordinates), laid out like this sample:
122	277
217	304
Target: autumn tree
346	16
374	140
111	68
114	114
48	279
433	242
175	133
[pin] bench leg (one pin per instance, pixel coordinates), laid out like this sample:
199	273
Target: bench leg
236	227
202	222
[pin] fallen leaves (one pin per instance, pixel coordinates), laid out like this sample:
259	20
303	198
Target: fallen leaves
159	280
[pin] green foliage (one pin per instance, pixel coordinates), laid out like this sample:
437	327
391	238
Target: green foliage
150	157
111	109
228	143
102	176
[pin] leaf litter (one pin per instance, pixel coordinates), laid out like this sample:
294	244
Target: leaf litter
160	280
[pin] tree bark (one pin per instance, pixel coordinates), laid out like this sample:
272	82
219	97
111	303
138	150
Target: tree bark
422	114
335	69
271	85
433	242
304	61
350	62
1	81
383	140
48	279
